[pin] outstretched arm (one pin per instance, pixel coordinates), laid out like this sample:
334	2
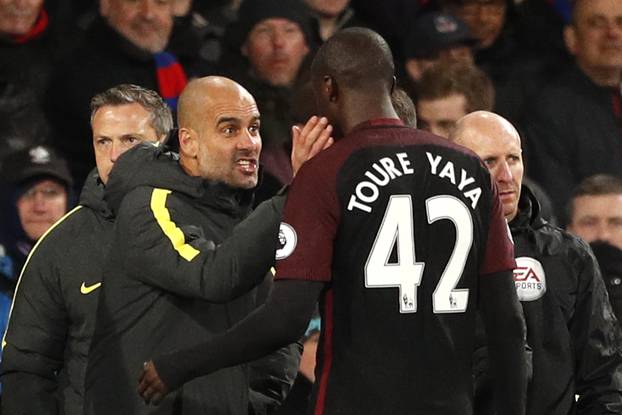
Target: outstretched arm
281	321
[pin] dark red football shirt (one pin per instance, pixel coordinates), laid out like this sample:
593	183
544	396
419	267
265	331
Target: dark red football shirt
401	225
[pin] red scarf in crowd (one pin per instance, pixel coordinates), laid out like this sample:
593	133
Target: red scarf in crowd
39	27
171	78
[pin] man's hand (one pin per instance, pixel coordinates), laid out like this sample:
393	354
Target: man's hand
314	137
150	386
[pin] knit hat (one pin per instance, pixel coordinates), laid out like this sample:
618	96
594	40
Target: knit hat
252	12
34	162
436	31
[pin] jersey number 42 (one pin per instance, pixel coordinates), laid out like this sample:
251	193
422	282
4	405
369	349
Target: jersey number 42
398	227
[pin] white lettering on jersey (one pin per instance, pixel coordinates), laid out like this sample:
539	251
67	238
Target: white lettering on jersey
379	175
448	172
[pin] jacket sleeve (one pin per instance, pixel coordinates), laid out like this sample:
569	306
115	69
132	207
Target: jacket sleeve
186	262
34	343
598	344
272	376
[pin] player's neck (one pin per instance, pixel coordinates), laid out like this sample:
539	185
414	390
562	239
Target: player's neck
360	110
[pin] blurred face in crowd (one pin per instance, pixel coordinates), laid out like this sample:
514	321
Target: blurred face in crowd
595	37
497	143
328	8
40	206
145	23
275	48
598	218
485	18
17	17
457	53
439	116
222	139
116	129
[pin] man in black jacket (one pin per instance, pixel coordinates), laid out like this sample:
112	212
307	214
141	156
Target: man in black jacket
53	316
186	255
570	325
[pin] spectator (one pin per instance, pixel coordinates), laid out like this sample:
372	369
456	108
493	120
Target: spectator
574	127
42	194
577	347
331	16
449	91
272	39
183	260
515	73
40	185
30	45
595	210
435	38
126	44
47	343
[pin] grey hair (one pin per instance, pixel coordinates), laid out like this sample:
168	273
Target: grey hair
123	94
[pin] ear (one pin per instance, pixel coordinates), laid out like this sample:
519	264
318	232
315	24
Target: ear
330	89
393	84
104	7
414	69
188	142
570	39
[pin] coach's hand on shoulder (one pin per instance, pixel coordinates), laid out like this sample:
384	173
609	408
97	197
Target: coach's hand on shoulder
150	386
314	137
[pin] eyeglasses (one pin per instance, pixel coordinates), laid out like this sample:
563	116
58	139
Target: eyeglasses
47	193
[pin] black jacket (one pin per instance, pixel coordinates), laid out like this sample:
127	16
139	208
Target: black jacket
53	316
571	134
577	347
185	257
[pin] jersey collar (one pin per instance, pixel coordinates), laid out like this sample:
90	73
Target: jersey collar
379	122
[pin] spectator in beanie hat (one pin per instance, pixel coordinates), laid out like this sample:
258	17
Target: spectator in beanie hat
269	42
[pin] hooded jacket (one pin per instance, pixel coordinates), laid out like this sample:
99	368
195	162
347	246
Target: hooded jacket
576	345
184	260
47	341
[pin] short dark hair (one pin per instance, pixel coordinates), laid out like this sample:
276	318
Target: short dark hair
597	185
357	58
123	94
404	107
449	78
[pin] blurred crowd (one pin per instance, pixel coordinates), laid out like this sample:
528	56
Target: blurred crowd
552	69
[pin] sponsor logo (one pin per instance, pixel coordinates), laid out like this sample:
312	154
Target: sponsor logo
287	241
84	289
529	279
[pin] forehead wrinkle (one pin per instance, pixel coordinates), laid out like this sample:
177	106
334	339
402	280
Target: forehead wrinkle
228	110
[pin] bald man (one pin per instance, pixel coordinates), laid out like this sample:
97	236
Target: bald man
397	322
570	326
186	256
